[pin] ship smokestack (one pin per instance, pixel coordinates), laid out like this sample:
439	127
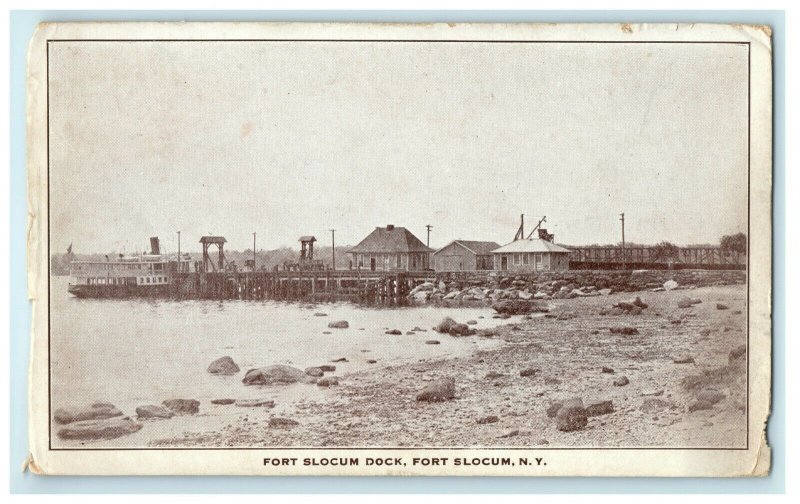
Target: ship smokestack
154	246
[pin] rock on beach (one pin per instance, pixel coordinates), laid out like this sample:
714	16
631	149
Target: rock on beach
571	416
255	403
621	381
223	366
597	408
442	389
277	374
183	406
95	411
314	371
328	381
153	411
338	324
109	428
282	423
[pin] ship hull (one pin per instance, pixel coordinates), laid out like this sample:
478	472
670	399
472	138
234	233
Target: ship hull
119	291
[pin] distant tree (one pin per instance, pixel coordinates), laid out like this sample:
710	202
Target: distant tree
734	243
667	250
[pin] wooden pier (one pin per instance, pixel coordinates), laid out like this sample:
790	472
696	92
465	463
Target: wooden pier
326	285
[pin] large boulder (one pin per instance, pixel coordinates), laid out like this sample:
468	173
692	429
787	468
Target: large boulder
519	307
96	411
223	366
423	287
153	411
338	324
277	374
571	416
421	296
445	325
183	406
439	390
670	285
109	428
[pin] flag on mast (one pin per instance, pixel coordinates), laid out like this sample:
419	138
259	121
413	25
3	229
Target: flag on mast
69	249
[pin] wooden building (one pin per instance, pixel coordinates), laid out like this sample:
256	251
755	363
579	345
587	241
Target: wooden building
465	255
531	255
390	248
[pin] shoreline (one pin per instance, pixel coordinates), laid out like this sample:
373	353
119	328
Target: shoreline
377	407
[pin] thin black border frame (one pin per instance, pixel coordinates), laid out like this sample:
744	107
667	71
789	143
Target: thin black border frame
477	41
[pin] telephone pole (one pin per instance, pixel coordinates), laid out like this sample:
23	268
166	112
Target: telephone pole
429	227
254	250
333	248
622	219
179	252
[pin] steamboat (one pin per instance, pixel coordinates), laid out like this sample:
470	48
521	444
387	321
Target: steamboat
143	275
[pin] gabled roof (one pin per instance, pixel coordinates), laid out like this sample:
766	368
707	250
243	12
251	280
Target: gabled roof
390	240
307	238
474	246
213	239
532	245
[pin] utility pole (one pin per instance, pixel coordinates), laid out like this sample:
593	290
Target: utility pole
254	250
622	219
180	269
429	227
333	248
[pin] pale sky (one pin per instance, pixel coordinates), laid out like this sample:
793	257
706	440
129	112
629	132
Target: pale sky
295	138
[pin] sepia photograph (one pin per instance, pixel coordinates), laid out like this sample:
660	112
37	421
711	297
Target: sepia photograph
401	248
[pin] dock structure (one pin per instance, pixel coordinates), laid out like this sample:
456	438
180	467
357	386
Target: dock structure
327	285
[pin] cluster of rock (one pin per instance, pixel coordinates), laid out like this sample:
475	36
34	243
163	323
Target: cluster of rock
105	421
453	328
490	287
100	420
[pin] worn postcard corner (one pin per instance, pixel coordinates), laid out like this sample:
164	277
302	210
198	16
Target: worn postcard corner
398	249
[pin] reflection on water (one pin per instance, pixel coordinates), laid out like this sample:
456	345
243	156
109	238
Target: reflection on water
139	351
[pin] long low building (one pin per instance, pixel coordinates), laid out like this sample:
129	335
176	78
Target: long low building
531	255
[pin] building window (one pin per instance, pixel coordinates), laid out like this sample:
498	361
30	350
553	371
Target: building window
517	259
526	259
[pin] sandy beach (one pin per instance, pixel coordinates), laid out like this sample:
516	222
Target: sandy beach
566	353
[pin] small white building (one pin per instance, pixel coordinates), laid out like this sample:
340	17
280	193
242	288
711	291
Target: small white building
531	255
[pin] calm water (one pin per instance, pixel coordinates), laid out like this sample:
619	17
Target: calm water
134	352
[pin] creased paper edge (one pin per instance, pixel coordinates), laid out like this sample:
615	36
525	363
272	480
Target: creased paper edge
34	233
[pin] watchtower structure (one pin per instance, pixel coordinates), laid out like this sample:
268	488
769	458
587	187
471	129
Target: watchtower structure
207	242
307	248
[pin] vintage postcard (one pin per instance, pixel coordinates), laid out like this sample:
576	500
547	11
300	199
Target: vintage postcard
375	249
